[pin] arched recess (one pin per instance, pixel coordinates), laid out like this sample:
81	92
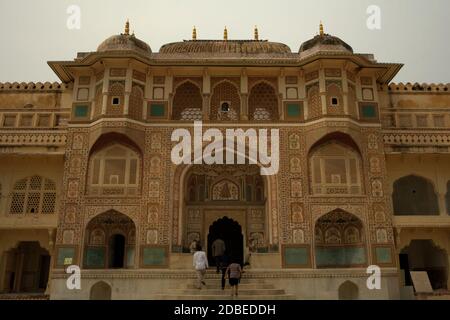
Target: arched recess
335	166
263	102
314	102
414	195
136	103
335	103
114	167
348	291
26	268
225	101
187	103
109	242
339	241
425	255
184	187
100	291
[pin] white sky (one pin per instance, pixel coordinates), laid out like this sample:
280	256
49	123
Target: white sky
414	32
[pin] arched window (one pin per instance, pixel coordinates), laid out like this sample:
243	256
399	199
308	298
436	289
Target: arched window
225	102
114	171
116	98
314	103
33	195
339	241
414	195
187	102
263	102
335	169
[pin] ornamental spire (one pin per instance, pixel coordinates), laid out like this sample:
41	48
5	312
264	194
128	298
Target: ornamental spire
321	29
127	27
194	33
255	32
225	34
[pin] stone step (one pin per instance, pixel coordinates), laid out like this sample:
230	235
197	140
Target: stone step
217	285
217	281
223	297
226	292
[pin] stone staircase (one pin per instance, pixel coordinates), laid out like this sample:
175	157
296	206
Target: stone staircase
249	289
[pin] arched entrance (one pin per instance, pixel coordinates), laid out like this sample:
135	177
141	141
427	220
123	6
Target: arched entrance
230	232
424	255
26	268
109	241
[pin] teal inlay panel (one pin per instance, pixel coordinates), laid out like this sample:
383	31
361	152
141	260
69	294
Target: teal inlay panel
157	110
81	111
340	256
296	256
64	253
154	256
130	257
95	257
293	110
369	111
383	254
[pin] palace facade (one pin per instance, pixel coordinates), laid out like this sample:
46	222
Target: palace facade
86	176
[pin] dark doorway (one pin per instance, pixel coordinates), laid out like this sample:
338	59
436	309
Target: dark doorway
117	251
230	232
404	265
424	255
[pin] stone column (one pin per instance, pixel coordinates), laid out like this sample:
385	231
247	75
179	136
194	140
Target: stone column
323	90
105	90
128	85
244	95
345	90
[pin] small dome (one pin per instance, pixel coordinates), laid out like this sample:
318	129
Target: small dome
324	42
227	47
123	42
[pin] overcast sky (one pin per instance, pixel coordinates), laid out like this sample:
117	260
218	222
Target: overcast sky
413	32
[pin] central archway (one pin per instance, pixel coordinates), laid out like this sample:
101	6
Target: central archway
230	232
110	241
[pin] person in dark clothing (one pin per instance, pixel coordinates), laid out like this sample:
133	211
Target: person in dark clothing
223	267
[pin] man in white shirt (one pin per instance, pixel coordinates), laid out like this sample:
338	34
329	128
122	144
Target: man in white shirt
200	263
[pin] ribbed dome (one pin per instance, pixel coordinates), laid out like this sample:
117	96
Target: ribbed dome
324	42
225	47
122	42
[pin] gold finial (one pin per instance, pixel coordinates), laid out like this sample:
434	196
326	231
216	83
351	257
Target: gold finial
256	36
194	34
321	29
127	27
225	34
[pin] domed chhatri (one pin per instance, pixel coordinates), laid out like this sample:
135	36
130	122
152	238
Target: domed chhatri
124	42
324	42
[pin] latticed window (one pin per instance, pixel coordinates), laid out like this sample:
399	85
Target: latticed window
335	169
33	195
114	171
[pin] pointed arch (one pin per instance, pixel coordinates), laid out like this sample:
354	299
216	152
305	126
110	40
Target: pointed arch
187	102
225	92
414	195
263	101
